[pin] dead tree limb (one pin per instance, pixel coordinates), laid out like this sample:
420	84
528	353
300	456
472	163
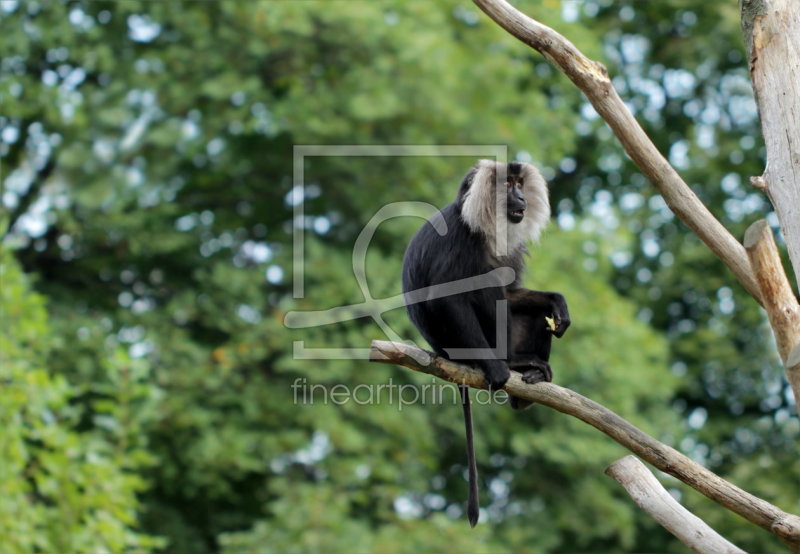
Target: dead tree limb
654	499
592	79
793	368
771	30
667	459
780	303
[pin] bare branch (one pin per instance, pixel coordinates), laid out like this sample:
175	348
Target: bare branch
759	183
667	459
780	303
771	30
793	369
592	79
654	499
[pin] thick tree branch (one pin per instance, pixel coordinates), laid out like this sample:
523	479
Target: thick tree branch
667	459
592	79
793	370
780	303
771	30
654	499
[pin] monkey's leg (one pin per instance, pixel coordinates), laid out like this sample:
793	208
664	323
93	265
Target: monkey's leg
531	342
460	328
533	371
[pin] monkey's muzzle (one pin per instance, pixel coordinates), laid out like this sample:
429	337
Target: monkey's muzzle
515	216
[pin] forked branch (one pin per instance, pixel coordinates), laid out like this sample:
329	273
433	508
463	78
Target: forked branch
667	459
592	79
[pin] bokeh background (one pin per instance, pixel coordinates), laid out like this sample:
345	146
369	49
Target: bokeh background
146	266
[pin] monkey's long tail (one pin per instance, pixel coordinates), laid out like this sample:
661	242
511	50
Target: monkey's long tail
473	507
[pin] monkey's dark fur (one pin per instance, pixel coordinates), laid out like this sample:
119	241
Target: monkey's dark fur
477	240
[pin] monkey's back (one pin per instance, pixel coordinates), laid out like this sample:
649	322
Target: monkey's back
434	259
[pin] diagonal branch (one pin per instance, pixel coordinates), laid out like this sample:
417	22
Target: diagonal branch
654	499
667	459
592	79
780	303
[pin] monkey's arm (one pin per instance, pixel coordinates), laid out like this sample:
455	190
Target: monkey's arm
523	300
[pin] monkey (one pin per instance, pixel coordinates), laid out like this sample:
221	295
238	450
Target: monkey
498	209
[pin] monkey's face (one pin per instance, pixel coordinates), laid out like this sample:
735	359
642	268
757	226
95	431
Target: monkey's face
515	200
494	189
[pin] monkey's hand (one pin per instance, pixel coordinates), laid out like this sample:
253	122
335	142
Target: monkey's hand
496	375
561	321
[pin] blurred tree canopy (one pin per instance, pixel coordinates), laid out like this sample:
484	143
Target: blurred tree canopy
148	195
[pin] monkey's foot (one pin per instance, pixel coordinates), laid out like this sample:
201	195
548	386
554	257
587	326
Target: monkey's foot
533	370
538	374
496	377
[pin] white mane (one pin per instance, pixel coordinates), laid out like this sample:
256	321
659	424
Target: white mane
487	196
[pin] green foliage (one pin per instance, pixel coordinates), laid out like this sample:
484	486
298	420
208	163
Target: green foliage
62	489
